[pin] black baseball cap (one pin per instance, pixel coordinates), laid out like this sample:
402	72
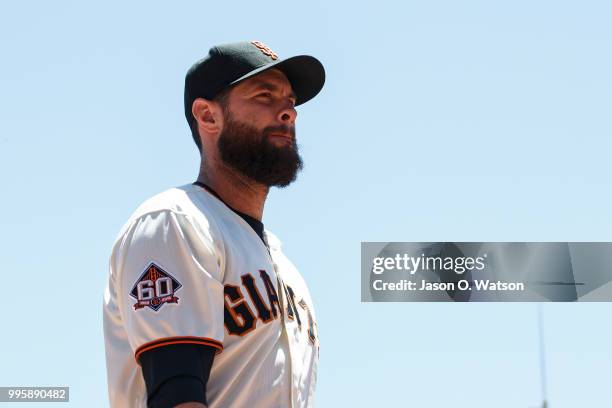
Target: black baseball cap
228	64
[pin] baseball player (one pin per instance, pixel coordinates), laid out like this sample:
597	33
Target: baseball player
202	309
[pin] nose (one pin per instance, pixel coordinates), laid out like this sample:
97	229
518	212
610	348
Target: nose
287	115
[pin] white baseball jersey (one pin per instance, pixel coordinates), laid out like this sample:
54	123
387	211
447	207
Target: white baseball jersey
187	269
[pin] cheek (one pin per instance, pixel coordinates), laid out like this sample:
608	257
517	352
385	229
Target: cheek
257	116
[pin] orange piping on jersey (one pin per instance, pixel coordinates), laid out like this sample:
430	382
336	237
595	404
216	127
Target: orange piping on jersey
178	340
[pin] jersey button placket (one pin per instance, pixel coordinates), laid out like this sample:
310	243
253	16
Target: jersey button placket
284	304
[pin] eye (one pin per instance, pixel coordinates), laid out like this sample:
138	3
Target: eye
264	94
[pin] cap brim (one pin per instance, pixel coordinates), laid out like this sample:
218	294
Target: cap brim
305	73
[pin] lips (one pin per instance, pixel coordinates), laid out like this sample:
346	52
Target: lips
282	136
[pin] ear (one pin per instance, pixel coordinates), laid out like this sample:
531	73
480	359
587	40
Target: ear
208	114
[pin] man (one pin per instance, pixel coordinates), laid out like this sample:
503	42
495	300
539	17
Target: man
202	309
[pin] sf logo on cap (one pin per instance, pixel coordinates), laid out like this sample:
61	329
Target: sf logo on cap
265	49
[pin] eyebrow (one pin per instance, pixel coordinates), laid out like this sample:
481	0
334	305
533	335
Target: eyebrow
270	87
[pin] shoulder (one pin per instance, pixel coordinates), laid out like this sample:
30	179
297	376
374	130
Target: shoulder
176	226
191	207
179	200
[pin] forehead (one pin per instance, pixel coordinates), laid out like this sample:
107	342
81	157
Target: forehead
272	78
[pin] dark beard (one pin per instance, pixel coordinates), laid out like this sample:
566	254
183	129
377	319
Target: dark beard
249	151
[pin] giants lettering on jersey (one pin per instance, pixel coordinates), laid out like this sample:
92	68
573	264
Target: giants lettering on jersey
239	317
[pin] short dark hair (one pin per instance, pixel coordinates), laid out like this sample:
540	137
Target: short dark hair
222	99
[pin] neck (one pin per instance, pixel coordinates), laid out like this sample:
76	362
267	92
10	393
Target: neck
238	191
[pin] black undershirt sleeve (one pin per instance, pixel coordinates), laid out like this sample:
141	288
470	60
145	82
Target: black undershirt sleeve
176	373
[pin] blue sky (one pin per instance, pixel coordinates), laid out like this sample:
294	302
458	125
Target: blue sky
439	121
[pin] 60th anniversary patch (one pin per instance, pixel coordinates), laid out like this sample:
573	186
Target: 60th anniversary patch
154	288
